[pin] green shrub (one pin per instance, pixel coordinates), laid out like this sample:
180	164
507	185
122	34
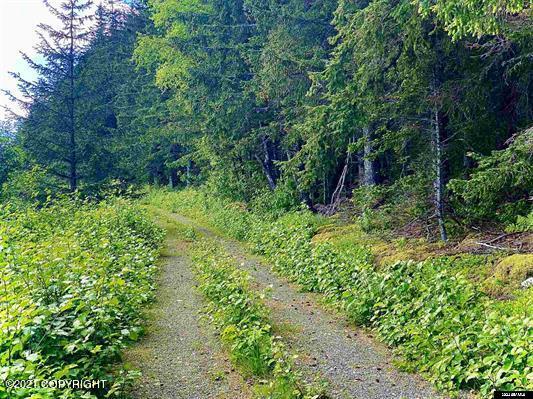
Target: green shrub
32	185
381	208
74	276
522	223
271	204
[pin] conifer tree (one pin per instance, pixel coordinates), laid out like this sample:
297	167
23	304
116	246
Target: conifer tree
52	128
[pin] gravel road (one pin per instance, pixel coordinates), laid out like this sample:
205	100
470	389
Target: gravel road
180	357
354	364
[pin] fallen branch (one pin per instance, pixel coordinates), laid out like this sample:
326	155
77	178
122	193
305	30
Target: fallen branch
495	247
502	236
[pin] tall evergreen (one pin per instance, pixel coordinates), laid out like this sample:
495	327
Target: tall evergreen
53	128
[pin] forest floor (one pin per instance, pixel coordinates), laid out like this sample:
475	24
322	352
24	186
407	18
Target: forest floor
181	358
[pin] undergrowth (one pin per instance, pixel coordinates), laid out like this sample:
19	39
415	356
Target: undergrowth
73	277
243	321
441	323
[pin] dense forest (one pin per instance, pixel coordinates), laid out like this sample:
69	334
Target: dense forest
417	110
377	154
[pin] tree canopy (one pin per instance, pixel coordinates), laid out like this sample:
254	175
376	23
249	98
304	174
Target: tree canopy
385	100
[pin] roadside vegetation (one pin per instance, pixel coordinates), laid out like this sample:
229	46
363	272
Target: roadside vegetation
73	277
242	319
433	312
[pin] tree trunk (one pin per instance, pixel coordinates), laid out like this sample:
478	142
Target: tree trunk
369	173
72	122
188	173
268	173
437	139
267	164
360	168
438	185
336	196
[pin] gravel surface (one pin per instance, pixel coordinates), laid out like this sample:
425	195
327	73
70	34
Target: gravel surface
349	359
180	356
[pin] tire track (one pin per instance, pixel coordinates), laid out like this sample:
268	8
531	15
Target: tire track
180	357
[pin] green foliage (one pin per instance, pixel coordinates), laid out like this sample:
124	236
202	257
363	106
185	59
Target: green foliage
271	204
196	55
12	156
381	208
26	186
478	18
120	104
74	276
114	112
500	186
523	223
51	128
242	319
443	326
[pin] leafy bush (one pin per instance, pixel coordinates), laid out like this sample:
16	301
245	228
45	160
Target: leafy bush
74	276
272	204
29	185
522	223
381	208
443	325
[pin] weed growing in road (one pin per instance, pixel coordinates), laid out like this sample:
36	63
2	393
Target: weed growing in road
243	322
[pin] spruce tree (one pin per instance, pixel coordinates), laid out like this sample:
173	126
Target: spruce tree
52	127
